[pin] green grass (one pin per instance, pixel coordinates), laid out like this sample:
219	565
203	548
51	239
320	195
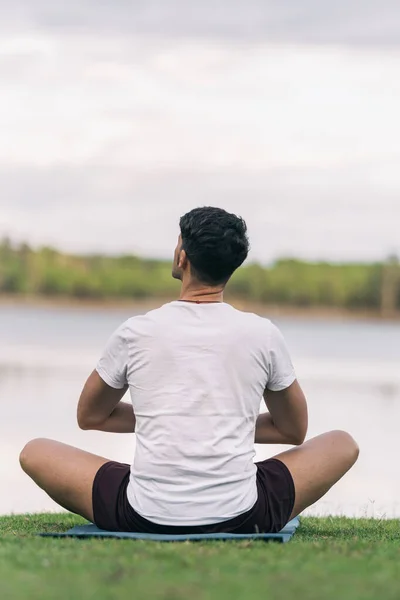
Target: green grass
332	558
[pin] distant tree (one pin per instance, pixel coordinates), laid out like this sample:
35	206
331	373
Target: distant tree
288	281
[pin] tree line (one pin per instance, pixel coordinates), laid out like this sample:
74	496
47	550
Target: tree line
48	272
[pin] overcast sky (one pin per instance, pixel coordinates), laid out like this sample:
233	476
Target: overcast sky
118	116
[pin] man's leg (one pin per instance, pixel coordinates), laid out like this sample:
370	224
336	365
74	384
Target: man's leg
317	465
65	473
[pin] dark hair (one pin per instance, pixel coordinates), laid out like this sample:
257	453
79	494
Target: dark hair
215	243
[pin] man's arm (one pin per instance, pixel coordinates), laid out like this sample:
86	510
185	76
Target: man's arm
100	407
287	419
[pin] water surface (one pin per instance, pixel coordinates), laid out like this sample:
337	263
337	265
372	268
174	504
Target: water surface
348	369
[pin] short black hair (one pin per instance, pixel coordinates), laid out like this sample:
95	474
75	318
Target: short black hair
215	243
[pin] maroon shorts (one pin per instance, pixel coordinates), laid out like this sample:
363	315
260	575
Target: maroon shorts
270	513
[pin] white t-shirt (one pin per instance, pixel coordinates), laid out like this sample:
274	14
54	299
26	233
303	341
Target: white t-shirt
196	373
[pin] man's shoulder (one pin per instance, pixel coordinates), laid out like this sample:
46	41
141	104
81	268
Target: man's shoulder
151	316
165	315
251	317
252	322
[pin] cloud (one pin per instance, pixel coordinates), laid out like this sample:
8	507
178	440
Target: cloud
283	21
185	106
116	118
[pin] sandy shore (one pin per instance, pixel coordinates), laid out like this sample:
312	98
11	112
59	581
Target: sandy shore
312	312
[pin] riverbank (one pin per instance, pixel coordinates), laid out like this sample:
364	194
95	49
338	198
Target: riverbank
328	558
271	310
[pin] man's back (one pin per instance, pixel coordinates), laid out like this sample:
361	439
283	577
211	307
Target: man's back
197	373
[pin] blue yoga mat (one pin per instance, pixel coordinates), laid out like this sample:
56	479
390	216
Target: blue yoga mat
90	531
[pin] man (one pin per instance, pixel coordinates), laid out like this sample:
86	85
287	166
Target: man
197	370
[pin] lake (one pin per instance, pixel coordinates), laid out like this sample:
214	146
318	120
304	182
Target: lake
350	371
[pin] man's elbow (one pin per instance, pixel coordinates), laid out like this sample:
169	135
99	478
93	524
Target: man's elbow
84	422
298	439
300	429
298	434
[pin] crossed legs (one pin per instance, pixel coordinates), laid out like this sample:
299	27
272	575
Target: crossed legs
66	473
317	465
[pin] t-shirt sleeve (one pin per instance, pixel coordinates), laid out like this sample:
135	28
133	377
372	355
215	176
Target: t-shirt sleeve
281	373
113	363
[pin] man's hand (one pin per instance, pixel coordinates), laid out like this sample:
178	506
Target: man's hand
100	407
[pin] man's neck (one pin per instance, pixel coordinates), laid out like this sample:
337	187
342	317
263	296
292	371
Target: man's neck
203	294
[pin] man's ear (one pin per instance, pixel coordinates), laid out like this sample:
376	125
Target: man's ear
182	259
